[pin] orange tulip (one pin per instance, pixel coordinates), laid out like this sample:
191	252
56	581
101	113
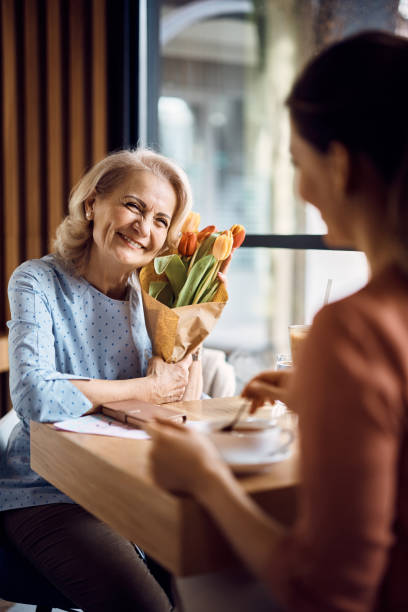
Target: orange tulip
187	244
191	223
210	229
223	245
238	233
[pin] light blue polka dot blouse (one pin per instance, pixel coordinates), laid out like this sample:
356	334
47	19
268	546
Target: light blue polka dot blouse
61	328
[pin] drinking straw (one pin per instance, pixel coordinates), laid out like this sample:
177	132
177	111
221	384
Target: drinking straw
327	292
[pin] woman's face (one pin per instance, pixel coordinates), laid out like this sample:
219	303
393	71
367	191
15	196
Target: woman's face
130	224
320	181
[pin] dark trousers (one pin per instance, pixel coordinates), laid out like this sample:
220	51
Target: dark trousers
85	559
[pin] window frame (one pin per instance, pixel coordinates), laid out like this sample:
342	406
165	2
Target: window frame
148	90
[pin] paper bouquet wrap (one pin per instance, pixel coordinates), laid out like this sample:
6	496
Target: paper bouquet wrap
174	332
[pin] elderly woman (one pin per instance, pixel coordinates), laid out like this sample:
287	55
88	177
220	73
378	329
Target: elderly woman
77	339
348	549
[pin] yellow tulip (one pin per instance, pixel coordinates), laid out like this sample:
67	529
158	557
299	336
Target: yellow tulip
191	223
223	245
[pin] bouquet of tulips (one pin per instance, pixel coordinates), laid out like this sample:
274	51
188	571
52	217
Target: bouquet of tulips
182	295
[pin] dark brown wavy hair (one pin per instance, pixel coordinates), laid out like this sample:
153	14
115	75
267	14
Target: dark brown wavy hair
356	92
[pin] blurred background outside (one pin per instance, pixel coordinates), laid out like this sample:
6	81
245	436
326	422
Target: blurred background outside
226	69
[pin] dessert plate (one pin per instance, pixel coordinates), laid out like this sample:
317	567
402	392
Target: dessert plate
245	424
255	423
259	464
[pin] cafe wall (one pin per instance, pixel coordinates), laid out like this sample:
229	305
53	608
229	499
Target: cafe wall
53	107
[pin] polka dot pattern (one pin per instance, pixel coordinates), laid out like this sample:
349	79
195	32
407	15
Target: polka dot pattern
61	328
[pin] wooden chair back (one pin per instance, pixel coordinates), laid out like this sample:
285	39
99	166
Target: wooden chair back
4	362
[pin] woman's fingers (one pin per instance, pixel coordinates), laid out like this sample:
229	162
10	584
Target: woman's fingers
222	274
160	425
179	455
152	429
222	278
171	425
255	405
258	388
276	378
267	386
186	361
272	376
259	392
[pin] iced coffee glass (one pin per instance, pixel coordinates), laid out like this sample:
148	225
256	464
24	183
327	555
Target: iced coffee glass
297	335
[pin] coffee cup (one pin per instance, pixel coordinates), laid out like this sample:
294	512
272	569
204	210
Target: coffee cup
240	446
297	336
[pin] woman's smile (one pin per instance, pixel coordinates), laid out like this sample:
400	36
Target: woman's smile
131	243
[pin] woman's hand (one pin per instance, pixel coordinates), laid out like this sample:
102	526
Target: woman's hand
222	274
194	387
182	459
169	380
164	383
270	386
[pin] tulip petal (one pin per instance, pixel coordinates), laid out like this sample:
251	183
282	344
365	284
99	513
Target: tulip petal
187	244
192	222
223	245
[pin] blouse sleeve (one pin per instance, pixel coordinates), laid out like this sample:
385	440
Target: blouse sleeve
38	391
350	409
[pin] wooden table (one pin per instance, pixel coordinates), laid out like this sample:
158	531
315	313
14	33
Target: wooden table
110	478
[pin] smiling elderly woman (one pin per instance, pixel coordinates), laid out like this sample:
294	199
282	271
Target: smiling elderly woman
77	339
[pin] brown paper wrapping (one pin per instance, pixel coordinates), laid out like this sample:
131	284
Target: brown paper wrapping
174	332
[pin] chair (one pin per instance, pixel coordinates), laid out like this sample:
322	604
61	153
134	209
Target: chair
218	375
19	580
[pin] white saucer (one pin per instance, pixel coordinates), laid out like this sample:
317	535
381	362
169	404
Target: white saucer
249	423
259	465
255	423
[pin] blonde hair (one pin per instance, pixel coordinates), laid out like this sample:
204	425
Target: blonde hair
74	234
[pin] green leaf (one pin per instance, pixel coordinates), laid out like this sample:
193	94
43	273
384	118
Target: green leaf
197	273
166	296
156	287
175	270
161	263
162	292
209	295
206	246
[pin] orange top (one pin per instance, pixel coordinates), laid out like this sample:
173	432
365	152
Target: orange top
348	550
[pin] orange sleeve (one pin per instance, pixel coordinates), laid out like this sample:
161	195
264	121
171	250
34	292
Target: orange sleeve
349	406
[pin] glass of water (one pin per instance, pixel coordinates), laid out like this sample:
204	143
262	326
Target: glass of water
283	362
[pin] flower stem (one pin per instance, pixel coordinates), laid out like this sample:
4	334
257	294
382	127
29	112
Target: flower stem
212	274
209	295
192	260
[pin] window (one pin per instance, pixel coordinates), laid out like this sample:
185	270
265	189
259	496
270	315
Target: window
225	70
